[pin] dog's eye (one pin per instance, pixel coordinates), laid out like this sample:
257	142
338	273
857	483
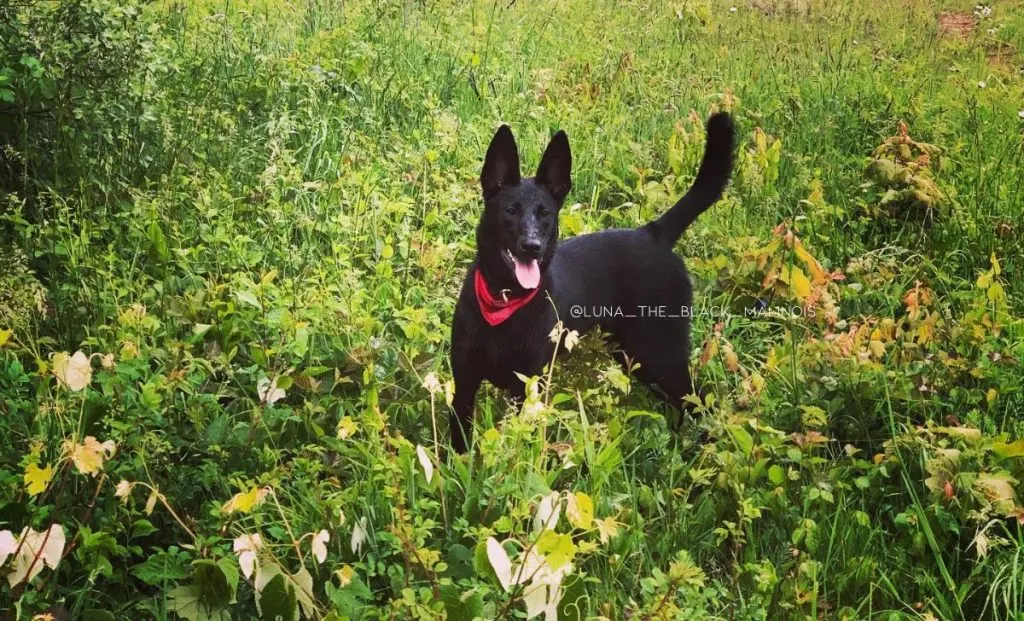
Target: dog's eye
543	211
511	209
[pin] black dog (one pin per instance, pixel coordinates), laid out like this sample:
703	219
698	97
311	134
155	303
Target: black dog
627	281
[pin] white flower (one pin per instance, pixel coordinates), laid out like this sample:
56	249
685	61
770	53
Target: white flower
543	593
35	550
319	545
359	535
268	391
548	511
981	84
732	9
123	491
246	546
431	383
72	372
428	466
571	338
1021	114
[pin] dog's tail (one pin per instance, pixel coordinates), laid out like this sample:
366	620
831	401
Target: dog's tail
707	188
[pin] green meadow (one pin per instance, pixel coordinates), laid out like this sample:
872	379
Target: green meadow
232	234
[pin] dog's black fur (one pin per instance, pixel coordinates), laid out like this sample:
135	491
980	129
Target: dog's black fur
619	268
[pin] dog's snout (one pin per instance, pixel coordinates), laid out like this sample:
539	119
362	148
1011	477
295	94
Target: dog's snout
530	246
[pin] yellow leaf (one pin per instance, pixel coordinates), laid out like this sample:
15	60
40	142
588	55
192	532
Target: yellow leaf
995	265
732	361
996	293
346	427
345	575
557	549
606	529
5	335
1009	450
36	478
246	501
151	501
877	348
969	434
991	396
799	283
818	273
89	456
998	488
579	508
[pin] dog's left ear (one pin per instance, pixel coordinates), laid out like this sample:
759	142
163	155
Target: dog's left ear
555	171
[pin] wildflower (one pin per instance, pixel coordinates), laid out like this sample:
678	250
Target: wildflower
246	546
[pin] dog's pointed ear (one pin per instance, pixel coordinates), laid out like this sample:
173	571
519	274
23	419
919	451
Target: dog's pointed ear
555	171
501	165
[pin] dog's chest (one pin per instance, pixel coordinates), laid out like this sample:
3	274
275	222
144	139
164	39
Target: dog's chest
519	347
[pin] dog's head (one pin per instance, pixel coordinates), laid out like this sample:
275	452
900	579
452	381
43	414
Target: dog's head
518	231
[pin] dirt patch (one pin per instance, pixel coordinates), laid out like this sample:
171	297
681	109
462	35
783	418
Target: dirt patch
959	25
791	8
1003	57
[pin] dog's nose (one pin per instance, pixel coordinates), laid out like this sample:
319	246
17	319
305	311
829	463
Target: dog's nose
529	247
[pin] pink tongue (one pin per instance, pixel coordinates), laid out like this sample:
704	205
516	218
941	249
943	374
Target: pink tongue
528	274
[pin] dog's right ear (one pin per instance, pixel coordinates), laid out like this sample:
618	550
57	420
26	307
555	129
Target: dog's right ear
501	166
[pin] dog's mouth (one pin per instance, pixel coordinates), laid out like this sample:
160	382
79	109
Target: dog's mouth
527	272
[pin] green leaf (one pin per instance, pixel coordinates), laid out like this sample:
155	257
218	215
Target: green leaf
575	604
142	528
248	297
776	475
462	605
158	250
743	439
161	568
212	586
483	564
276	602
186	603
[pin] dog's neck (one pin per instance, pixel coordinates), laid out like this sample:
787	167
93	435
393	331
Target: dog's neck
501	282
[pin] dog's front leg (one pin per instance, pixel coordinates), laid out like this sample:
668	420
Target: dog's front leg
467	382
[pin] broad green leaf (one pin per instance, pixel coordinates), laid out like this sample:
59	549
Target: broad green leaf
248	297
462	604
743	439
276	601
575	603
211	584
186	603
161	568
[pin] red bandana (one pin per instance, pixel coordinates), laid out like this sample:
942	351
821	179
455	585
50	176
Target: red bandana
496	310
